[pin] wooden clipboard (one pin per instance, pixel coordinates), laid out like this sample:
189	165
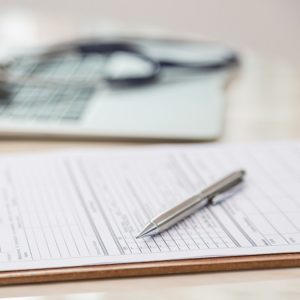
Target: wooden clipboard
152	268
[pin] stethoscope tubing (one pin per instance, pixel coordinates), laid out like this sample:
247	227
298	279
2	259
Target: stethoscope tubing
109	48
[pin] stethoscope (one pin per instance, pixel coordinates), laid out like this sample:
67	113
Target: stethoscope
155	65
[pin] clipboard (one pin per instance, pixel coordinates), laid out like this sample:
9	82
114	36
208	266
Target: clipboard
237	263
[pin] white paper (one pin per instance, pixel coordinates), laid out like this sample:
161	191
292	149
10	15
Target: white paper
86	207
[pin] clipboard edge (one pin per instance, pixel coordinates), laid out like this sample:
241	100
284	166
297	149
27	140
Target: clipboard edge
199	265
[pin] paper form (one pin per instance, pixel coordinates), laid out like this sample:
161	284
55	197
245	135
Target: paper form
86	207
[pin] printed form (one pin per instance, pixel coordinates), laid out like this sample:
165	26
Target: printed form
85	207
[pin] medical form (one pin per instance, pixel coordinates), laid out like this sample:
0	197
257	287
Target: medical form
85	207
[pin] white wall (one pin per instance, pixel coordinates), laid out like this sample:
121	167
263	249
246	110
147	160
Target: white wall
270	26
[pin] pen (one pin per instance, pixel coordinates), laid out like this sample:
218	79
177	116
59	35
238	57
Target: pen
220	190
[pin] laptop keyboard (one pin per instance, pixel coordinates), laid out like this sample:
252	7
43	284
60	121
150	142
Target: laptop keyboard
45	102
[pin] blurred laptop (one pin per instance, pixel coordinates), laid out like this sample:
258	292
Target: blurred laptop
180	106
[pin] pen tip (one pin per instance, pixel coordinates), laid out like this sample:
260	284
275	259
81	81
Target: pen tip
148	230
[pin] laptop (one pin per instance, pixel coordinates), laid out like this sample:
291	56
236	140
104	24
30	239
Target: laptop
180	106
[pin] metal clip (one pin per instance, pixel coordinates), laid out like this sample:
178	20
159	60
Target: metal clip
229	193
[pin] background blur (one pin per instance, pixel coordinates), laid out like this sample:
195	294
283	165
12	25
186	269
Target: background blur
270	27
264	99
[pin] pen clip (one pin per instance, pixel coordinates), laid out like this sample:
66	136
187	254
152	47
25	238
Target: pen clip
227	194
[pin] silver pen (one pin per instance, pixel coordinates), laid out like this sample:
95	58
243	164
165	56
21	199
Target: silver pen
213	194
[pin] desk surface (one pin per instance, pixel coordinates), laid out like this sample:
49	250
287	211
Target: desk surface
262	104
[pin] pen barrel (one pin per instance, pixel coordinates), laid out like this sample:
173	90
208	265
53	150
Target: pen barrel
177	213
224	184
